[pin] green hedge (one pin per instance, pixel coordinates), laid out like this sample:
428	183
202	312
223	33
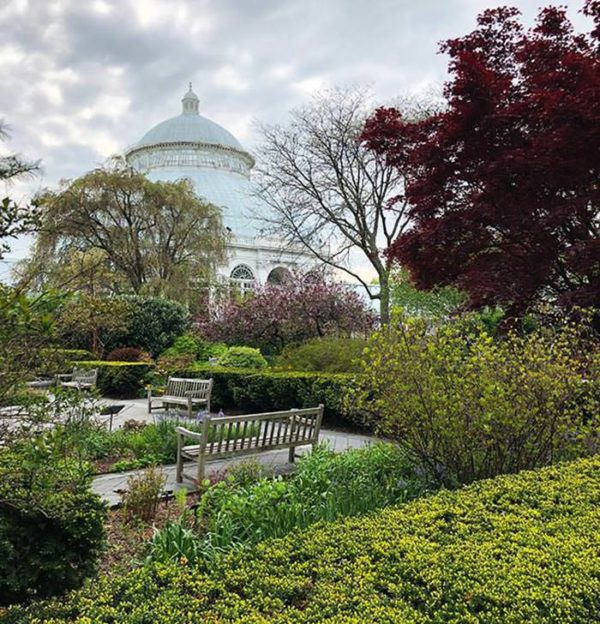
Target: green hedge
520	548
120	379
263	391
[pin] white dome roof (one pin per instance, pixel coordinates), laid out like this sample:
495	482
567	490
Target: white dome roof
189	128
194	147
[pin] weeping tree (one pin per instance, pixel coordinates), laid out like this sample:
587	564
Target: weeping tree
157	238
328	193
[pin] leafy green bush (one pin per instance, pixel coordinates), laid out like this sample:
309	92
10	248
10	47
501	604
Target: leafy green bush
183	352
518	548
243	357
120	379
183	345
208	350
471	407
329	355
153	324
51	524
266	390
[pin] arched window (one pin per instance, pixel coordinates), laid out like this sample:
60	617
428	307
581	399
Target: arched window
242	280
242	272
279	275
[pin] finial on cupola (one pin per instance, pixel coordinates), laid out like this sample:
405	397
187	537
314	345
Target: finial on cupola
190	102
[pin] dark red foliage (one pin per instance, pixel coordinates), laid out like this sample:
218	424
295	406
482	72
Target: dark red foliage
127	354
504	184
292	312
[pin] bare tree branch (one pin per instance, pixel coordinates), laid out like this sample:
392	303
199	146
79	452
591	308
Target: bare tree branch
327	192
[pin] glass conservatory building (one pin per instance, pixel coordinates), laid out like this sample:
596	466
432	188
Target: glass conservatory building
192	146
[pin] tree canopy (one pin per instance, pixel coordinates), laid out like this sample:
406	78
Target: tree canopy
158	237
503	184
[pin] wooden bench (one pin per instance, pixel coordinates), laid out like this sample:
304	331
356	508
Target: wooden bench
232	436
80	378
180	391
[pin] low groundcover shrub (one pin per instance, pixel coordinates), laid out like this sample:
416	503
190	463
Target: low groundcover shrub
518	548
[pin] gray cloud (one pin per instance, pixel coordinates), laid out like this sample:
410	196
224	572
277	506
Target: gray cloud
83	79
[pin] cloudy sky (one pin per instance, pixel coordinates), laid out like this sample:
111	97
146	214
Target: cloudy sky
82	79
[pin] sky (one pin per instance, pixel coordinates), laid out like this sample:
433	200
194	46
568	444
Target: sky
83	79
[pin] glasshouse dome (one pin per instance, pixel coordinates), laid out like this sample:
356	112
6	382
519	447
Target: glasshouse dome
194	147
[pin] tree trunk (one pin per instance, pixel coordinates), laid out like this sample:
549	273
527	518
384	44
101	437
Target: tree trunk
384	298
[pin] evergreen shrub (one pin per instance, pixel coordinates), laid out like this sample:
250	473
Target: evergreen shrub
153	324
243	357
51	523
120	379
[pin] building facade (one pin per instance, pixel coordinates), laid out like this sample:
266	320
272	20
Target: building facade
191	146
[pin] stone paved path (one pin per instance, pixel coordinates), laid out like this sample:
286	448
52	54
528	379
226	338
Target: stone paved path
276	461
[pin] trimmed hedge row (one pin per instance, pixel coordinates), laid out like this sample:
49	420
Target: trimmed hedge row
120	379
264	391
242	389
520	548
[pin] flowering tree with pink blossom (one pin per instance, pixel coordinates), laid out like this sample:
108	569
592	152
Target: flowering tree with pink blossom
298	310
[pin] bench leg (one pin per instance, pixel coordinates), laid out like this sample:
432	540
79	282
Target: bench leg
292	454
200	470
179	477
190	408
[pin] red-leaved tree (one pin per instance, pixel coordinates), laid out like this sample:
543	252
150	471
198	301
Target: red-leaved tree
297	310
505	183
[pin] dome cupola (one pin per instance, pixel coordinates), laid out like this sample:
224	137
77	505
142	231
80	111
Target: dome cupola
190	102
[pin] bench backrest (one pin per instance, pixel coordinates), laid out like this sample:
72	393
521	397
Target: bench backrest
180	387
85	376
234	435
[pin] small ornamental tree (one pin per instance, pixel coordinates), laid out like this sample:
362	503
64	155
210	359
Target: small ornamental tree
298	310
503	184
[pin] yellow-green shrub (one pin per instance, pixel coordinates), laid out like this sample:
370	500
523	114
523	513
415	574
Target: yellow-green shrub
469	406
519	548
